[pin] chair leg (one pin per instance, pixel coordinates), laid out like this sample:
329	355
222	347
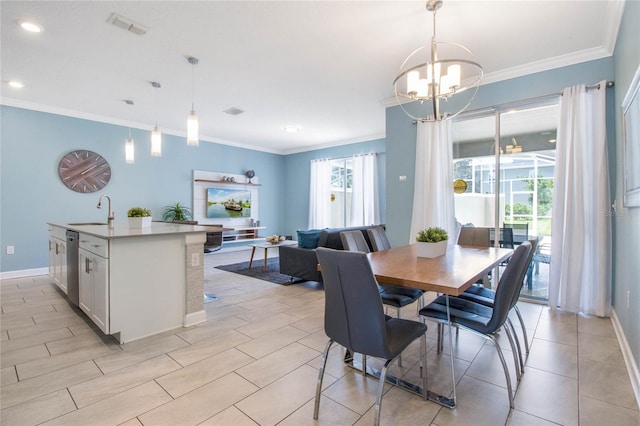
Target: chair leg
524	330
381	381
399	356
506	370
325	355
364	365
518	347
423	359
514	350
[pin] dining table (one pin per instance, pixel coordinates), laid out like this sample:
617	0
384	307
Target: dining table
450	274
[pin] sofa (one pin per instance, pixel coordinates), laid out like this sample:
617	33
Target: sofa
301	262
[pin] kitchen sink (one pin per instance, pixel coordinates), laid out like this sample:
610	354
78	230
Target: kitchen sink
86	223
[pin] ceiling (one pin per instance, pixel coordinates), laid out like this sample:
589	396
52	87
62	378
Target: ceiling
326	67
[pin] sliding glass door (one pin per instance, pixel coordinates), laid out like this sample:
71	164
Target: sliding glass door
506	160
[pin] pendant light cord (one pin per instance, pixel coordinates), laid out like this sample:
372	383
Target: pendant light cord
193	78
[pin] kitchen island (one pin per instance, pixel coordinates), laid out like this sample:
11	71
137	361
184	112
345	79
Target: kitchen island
137	282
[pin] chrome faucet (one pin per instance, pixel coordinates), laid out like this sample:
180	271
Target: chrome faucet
111	215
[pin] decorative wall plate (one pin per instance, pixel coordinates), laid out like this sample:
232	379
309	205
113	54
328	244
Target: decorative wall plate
84	171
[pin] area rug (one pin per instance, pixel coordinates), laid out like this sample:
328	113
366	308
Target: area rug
272	274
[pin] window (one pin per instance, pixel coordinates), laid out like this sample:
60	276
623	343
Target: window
341	191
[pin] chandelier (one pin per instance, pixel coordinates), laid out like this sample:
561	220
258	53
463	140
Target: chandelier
426	77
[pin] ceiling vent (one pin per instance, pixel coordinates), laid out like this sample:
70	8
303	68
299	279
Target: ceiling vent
127	24
233	111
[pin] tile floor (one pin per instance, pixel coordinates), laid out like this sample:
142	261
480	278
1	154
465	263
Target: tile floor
256	359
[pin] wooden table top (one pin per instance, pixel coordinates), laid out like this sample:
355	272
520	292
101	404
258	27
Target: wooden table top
450	274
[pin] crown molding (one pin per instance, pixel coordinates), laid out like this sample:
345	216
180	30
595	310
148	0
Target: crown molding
613	20
336	143
547	64
17	103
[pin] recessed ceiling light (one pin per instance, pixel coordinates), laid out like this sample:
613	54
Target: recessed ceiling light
16	84
32	27
552	140
291	129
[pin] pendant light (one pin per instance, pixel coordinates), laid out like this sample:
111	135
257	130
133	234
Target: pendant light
428	76
192	118
156	135
129	148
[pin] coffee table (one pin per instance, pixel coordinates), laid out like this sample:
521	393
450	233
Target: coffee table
266	247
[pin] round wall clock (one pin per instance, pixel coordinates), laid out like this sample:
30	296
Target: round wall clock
84	171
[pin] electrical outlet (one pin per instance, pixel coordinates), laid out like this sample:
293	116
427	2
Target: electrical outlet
195	259
628	298
11	249
403	178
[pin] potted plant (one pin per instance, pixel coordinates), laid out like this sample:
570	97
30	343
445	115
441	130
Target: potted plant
139	217
431	242
177	212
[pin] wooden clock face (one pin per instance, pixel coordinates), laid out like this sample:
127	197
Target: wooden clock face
84	171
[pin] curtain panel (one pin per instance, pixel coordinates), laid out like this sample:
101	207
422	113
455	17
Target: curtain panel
364	191
320	194
433	203
580	268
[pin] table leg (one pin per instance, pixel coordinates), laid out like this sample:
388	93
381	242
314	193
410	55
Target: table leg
253	251
357	364
265	260
453	374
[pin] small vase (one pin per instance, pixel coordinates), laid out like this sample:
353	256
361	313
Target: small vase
431	249
139	222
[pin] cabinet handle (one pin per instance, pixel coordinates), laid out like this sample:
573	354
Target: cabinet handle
57	251
87	265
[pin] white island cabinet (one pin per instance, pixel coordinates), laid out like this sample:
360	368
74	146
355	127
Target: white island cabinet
58	256
135	283
93	264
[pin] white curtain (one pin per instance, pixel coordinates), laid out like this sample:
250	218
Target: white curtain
320	194
364	191
433	189
580	268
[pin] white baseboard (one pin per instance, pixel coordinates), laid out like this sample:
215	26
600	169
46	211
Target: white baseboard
23	273
632	366
194	318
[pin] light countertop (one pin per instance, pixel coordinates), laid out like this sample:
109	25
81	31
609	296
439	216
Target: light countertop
122	229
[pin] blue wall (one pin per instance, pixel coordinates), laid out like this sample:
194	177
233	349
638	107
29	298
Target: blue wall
297	179
401	132
627	221
31	193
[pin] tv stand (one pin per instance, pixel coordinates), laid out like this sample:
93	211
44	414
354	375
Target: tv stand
242	233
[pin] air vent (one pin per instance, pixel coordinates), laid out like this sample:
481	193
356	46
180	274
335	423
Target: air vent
233	111
127	24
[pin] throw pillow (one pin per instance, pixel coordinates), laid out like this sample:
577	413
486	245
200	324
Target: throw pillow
309	239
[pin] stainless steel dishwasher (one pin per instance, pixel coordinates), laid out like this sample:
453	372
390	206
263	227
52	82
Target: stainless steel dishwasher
73	243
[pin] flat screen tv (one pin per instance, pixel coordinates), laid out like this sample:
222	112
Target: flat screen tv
228	203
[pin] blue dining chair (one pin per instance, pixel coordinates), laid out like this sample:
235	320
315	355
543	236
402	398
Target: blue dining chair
483	320
354	318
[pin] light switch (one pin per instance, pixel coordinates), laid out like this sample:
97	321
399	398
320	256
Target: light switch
11	250
403	178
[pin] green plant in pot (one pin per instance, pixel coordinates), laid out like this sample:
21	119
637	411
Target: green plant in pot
431	242
139	217
176	212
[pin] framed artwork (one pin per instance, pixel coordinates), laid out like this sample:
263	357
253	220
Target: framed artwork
631	143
